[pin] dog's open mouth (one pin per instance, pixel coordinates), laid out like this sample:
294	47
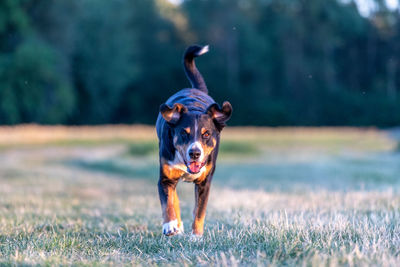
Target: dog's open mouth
195	167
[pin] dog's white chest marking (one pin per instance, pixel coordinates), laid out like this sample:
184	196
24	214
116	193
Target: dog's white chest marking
188	177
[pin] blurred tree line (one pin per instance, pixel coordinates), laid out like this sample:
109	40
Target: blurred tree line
279	62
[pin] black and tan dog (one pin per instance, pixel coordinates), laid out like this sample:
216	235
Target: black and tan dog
188	129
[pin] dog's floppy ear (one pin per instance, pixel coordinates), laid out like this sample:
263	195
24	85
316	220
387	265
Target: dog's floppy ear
172	115
220	115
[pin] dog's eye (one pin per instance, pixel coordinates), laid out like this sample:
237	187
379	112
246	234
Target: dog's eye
206	135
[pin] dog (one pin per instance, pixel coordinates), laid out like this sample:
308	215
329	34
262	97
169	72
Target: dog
188	127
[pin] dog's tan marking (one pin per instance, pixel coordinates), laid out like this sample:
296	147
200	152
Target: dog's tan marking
208	149
168	209
171	172
187	130
177	209
204	174
199	213
198	226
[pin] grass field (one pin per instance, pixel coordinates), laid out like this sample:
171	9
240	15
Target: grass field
284	196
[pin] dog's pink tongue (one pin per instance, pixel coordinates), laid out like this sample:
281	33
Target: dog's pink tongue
195	167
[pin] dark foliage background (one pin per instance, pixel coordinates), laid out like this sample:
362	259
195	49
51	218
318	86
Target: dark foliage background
279	62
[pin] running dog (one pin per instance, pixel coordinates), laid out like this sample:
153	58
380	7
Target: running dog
188	128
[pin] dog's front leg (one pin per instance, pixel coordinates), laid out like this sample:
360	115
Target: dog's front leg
167	191
178	212
202	191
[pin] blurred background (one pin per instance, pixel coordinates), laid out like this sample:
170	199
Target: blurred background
279	62
75	191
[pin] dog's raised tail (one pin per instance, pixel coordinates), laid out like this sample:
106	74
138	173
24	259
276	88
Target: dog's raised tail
191	71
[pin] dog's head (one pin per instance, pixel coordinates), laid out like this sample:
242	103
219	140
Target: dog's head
195	134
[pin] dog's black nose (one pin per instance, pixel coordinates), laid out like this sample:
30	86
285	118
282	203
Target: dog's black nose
194	153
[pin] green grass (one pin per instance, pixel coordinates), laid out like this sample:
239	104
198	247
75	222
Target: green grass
238	148
142	149
313	204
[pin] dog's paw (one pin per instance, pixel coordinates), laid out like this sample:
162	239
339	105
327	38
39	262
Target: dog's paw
181	229
171	228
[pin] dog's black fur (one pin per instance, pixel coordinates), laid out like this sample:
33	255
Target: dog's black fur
188	128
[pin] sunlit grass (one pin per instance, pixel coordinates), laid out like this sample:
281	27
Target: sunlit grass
312	197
